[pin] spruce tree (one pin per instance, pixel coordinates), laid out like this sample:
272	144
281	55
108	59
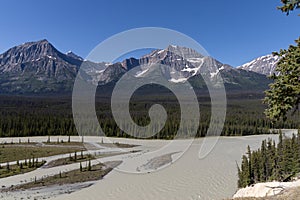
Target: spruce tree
269	162
245	172
289	5
250	165
80	167
284	93
89	166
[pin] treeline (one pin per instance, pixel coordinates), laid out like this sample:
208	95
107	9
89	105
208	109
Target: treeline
271	162
20	116
32	125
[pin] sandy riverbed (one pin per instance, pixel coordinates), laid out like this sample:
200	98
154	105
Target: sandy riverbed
188	178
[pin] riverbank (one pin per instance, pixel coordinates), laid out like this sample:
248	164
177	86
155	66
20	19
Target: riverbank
63	183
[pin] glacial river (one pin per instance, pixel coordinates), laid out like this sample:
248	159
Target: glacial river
188	178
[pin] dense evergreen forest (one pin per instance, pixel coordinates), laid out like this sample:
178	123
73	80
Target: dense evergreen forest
271	162
38	116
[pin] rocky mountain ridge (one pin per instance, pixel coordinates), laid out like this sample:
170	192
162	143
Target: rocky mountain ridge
38	67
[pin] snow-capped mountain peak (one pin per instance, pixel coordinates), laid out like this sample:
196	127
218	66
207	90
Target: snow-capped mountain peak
264	65
73	55
23	66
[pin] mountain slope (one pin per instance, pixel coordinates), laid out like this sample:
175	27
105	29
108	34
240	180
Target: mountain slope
38	67
264	65
193	66
73	55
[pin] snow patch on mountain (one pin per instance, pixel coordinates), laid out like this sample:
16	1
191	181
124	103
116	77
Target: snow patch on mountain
179	80
264	65
141	73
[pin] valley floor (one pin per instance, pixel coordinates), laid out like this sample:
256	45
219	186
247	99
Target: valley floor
208	166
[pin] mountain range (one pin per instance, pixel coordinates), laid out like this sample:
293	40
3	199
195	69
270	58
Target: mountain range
264	65
39	68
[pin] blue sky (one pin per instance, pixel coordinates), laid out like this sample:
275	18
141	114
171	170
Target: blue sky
232	31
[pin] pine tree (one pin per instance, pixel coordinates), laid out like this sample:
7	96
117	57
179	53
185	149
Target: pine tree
280	161
240	179
33	162
89	166
269	162
298	151
245	181
262	166
284	93
255	161
289	5
80	167
250	165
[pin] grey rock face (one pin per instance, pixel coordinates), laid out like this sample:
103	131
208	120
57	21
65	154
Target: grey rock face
73	55
38	67
264	65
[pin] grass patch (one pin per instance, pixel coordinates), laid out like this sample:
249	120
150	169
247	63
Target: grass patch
96	172
81	158
69	160
118	145
63	143
21	168
14	152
